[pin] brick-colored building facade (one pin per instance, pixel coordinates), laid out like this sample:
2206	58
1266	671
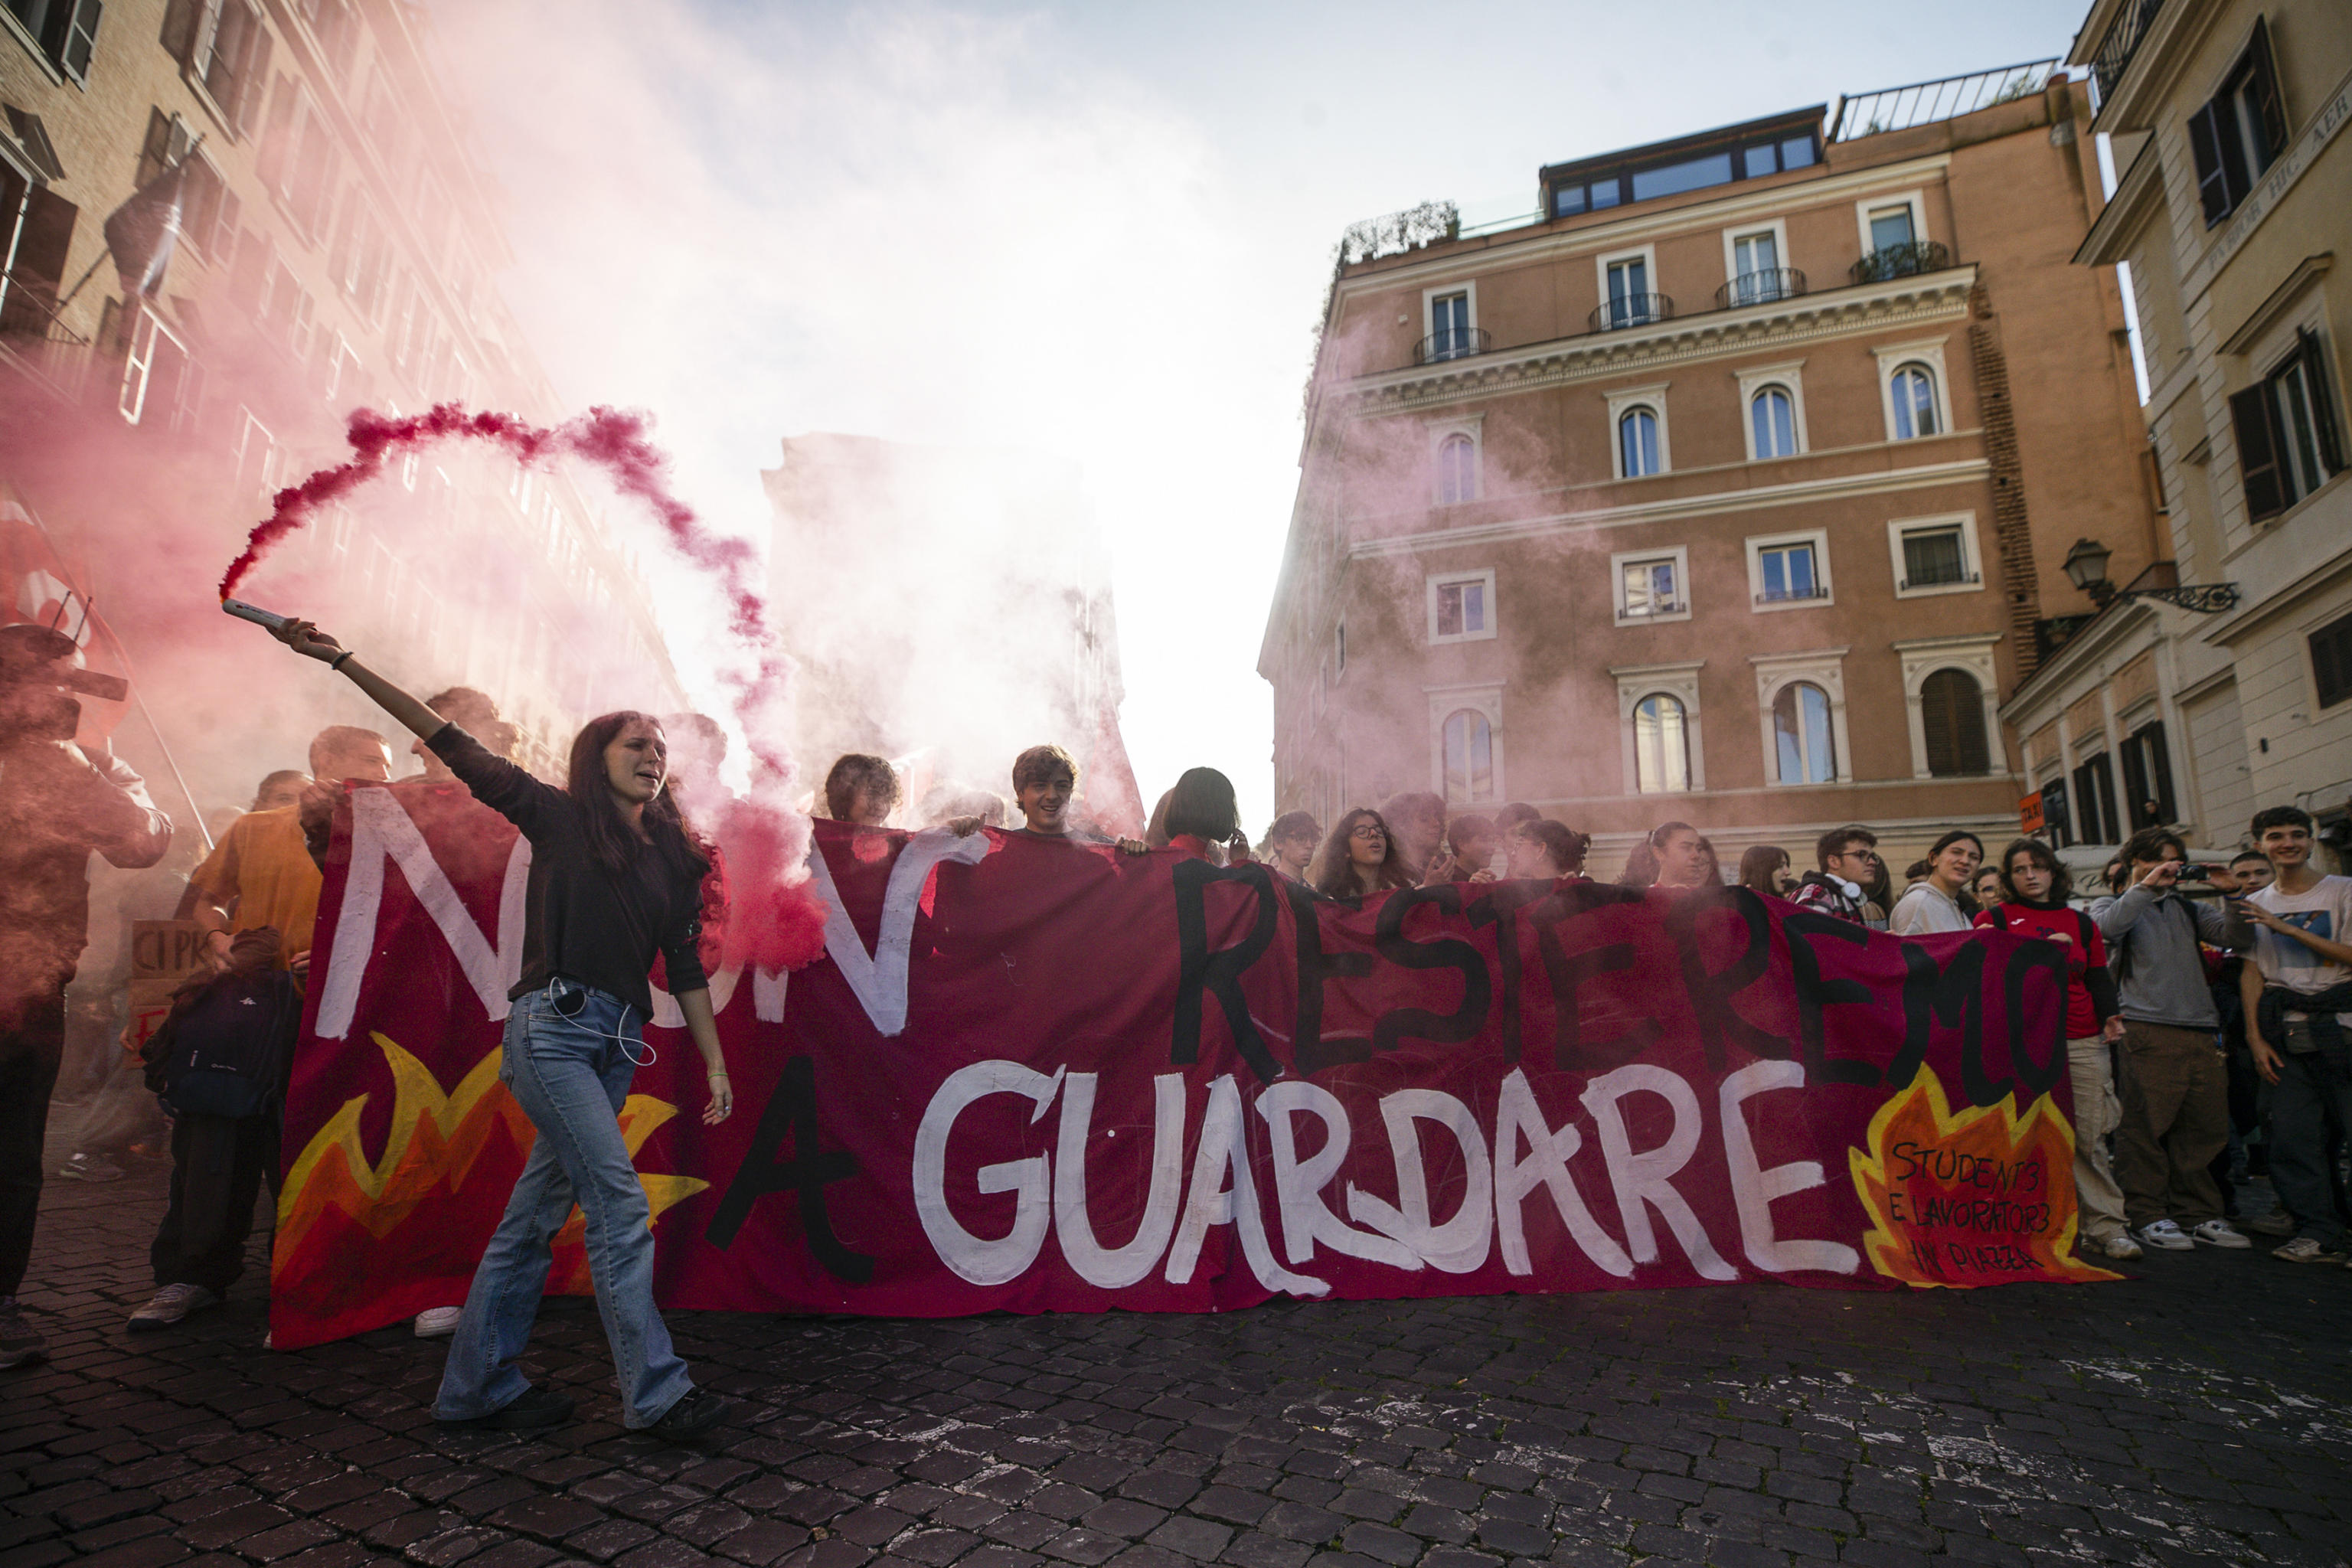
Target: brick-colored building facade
1728	489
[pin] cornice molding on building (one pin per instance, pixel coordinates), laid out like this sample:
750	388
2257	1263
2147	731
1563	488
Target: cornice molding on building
1719	334
2257	614
2138	200
1621	233
1927	476
2085	648
2258	321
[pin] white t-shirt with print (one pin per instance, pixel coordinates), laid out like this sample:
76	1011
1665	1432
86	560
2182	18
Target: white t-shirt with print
2325	909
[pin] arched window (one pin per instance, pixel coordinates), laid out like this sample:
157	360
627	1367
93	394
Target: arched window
1915	401
1469	744
1457	471
1637	442
1951	711
1801	727
1661	745
1772	415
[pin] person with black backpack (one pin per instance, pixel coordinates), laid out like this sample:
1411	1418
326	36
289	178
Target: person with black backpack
2035	890
219	1061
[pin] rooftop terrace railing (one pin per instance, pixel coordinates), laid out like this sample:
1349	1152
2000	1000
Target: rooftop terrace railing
1925	103
2120	43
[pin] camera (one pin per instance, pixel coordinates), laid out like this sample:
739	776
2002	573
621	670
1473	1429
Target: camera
2195	873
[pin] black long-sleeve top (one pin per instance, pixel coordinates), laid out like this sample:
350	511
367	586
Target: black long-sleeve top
581	921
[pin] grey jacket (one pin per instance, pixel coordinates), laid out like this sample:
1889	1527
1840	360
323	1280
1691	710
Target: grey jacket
2152	951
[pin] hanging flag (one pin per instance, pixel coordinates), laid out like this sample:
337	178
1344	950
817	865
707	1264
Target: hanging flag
141	233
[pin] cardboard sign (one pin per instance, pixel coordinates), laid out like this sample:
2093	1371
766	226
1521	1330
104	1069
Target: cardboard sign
163	954
2029	814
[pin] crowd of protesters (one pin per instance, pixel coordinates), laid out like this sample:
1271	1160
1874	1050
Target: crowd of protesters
2190	1021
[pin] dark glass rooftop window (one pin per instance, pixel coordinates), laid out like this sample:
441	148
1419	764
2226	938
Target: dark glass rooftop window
1691	175
1765	148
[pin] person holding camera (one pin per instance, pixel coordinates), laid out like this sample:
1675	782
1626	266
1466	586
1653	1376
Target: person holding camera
62	802
2175	1081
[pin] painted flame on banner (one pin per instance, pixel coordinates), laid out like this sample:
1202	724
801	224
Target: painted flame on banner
435	1139
1982	1197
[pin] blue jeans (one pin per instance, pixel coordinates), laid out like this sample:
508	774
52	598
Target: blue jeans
565	1059
2312	1098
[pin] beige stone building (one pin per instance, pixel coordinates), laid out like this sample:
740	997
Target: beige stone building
1729	488
337	241
2233	195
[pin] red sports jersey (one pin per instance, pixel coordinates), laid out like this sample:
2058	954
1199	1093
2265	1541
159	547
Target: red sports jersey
2071	928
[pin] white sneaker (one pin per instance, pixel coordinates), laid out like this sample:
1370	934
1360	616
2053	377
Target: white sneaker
2120	1245
438	1323
2308	1249
2168	1235
2278	1222
171	1305
2217	1233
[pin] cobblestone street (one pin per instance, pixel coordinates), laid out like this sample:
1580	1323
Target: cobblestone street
2201	1413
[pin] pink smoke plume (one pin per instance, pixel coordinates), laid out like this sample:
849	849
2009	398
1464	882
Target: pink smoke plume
781	920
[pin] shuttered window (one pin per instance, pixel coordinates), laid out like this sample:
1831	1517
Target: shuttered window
2240	131
2331	661
1951	710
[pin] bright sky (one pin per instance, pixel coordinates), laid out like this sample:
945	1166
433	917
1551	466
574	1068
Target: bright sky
1100	231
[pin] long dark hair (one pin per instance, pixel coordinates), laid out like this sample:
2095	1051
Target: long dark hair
608	831
1758	865
1332	872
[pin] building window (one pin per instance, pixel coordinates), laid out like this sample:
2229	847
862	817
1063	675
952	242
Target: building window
257	457
1913	389
1661	745
1800	734
2331	661
2147	778
2288	441
1788	570
1457	471
1756	275
1339	647
226	52
1935	554
1462	606
2057	821
66	30
156	376
1449	327
1469	755
2095	802
1951	711
1630	302
1650	587
1772	422
1892	226
2240	131
1637	443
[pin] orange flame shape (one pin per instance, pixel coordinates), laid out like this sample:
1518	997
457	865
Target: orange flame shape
433	1143
1985	1197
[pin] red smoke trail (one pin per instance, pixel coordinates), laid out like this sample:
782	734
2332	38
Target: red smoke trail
784	921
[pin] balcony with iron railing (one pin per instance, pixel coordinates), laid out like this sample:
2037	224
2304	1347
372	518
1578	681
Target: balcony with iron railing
2120	42
1453	342
1795	594
1925	103
1746	292
1761	287
1905	260
1624	311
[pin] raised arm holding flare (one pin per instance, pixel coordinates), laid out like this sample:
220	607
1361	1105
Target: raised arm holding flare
614	877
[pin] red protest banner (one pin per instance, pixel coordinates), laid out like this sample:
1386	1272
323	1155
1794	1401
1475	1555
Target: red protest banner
1034	1075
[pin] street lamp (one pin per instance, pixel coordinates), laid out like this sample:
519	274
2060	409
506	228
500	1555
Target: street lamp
2086	568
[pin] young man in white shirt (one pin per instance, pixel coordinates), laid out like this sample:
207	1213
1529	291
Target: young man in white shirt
2297	988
